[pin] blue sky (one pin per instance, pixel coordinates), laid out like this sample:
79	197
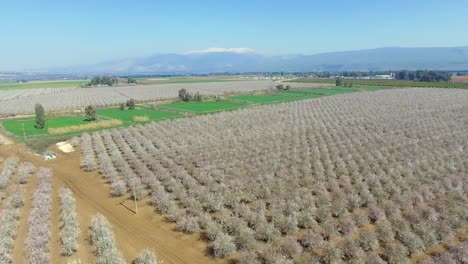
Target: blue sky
38	34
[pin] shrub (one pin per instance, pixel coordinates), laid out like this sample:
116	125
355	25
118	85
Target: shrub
368	240
460	252
247	257
286	224
311	239
223	246
270	255
75	141
445	258
374	258
266	232
146	256
332	254
353	253
245	240
213	231
376	214
347	226
395	253
131	104
306	219
385	232
204	220
24	172
16	200
188	224
279	87
338	82
104	242
360	218
411	241
118	188
289	246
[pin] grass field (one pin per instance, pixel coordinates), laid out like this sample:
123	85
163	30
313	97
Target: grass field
272	98
16	126
203	107
127	116
297	94
42	84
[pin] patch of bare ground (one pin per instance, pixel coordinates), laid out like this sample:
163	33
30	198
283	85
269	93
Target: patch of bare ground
134	232
459	79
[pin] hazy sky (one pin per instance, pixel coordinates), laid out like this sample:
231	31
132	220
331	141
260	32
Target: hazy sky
39	34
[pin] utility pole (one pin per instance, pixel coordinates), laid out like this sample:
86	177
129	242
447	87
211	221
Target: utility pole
134	196
24	133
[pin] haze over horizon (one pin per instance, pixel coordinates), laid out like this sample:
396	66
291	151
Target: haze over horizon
59	34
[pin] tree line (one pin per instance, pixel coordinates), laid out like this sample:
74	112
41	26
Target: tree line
104	80
423	76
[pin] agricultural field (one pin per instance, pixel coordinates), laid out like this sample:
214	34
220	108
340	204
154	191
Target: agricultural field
208	79
460	79
203	107
72	99
394	83
69	124
15	126
297	94
358	178
130	116
60	84
330	175
6	94
25	127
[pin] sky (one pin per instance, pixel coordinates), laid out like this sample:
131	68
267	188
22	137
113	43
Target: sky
56	33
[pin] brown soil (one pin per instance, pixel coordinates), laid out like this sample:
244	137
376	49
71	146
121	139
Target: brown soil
5	140
459	79
134	232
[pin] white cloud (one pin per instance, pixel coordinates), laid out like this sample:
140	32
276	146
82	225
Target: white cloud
219	50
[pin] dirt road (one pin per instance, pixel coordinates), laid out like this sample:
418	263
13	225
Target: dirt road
134	232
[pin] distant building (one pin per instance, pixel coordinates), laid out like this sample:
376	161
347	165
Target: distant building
384	77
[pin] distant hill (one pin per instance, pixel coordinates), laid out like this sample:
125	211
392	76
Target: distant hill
454	58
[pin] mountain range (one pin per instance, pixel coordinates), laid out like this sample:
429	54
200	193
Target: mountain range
236	60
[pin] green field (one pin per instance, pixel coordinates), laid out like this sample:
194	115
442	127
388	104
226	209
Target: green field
127	115
394	83
16	126
297	94
42	84
203	107
272	98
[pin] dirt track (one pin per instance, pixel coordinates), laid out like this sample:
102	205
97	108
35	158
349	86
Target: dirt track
148	229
